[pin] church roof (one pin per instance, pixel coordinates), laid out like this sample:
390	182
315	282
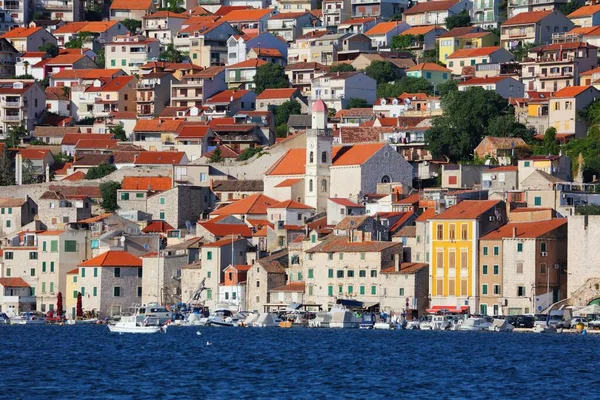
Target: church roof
294	161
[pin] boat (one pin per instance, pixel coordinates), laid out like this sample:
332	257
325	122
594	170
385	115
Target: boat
501	325
437	323
267	320
29	318
89	321
383	325
155	310
131	324
221	317
474	324
413	325
368	321
250	319
321	320
543	327
343	318
4	319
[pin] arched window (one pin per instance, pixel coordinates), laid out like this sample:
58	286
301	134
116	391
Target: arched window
312	157
324	185
386	179
310	184
324	157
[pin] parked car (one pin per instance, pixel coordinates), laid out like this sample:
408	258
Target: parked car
595	323
577	320
525	321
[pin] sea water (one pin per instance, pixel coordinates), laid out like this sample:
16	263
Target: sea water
89	362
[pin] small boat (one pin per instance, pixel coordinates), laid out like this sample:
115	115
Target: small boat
383	325
321	320
268	320
130	324
4	319
474	324
221	317
501	325
543	327
437	323
155	310
368	321
29	318
413	325
90	321
343	318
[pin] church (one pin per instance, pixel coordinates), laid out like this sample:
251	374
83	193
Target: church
321	170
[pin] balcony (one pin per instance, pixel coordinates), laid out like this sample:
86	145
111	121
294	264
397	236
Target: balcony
366	1
300	81
145	86
11	104
140	99
11	118
58	5
521	34
568	75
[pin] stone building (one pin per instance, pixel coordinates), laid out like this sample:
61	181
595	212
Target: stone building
179	205
265	274
15	213
583	256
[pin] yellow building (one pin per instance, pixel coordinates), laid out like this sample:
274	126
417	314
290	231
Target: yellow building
70	297
453	249
460	38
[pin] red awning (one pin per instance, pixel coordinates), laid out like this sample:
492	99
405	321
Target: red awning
448	309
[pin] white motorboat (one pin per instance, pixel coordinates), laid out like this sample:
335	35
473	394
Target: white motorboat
90	321
4	319
155	310
322	320
130	324
343	318
543	327
413	325
437	323
383	325
266	320
474	324
29	318
501	325
195	319
221	317
251	319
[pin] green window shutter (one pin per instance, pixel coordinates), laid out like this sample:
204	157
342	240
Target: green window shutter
139	195
33	290
350	289
313	238
117	291
70	246
362	290
54	246
117	272
44	266
82	291
330	290
299	276
95	291
51	266
75	279
373	289
83	272
484	269
543	246
310	290
484	289
519	247
208	274
95	272
362	256
32	272
124	196
44	246
537	201
310	273
162	215
43	287
162	200
485	251
123	63
330	273
496	250
75	294
341	255
340	289
496	270
113	63
51	287
401	291
209	255
209	294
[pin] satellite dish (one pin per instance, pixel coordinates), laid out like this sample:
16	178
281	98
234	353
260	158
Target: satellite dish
383	102
395	102
188	224
146	247
407	101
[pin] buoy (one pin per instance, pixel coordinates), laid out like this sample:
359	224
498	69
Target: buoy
208	343
584	332
198	333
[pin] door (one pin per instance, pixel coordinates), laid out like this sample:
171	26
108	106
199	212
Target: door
483	309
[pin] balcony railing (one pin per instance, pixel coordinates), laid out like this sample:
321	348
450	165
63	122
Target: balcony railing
11	118
11	104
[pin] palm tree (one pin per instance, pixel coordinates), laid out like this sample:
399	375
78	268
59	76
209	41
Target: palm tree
26	65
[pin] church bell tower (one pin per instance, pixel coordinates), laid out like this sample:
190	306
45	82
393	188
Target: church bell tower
318	159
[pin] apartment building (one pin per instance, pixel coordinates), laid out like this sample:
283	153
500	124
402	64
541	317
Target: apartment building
129	52
28	39
63	10
535	27
336	11
434	12
153	93
104	97
16	213
384	9
381	34
460	59
301	75
515	7
162	25
290	25
565	106
505	86
241	75
23	102
485	14
336	89
121	10
194	89
238	46
208	44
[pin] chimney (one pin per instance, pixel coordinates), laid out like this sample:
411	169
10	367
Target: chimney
397	262
514	232
338	73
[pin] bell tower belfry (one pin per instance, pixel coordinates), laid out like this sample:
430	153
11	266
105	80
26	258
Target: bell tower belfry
318	159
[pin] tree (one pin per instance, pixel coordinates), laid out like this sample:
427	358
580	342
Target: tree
506	125
458	20
464	123
108	190
591	113
342	68
407	84
118	132
283	111
171	54
175	6
216	156
449	86
80	40
588	209
29	174
521	52
382	71
15	134
7	174
132	24
100	171
358	103
100	60
49	48
403	42
589	149
62	158
549	145
44	83
270	76
86	121
571	6
249	153
281	131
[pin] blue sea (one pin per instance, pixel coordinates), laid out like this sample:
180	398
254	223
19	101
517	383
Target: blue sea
89	362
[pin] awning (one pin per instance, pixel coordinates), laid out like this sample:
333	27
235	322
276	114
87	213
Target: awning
448	309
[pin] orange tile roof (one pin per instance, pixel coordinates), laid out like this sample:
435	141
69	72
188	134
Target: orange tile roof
157	125
427	214
429	67
224	10
131	4
71	139
156	183
246	15
456	32
33	153
346	202
355	21
221	121
263	52
382	28
431	6
587	31
51	233
226	152
75	177
570	91
73	271
290	287
113	85
484	81
527	18
289	182
159	157
113	258
290	15
467	209
95	219
20	33
590	72
192	131
226	96
165	14
71	27
296	205
479	52
13	282
85	73
224	242
341	244
96	144
157	227
526	230
251	63
285	93
221	230
420	30
585	11
253	204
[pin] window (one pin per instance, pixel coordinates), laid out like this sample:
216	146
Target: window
139	291
95	243
51	266
257	283
44	246
51	287
117	291
54	246
484	270
8	255
330	256
464	259
496	289
341	256
543	247
310	290
313	238
209	294
117	272
527	163
75	279
311	157
485	250
299	276
8	272
162	200
521	291
537	200
484	289
463	232
519	268
124	196
373	274
496	270
161	215
95	272
451	287
401	291
373	290
350	289
208	274
113	63
340	289
361	290
519	247
440	232
123	63
70	246
452	232
452	259
310	273
32	272
95	291
75	292
362	256
209	255
310	185
496	250
330	273
362	273
543	269
350	273
139	195
329	290
8	224
140	273
439	258
340	273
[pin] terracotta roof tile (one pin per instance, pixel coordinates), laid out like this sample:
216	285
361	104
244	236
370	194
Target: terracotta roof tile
157	226
34	153
160	157
264	52
227	96
429	67
479	52
335	244
157	125
13	283
155	183
113	258
467	209
96	144
192	131
71	139
289	182
224	10
246	15
227	240
382	28
526	230
251	63
484	81
405	268
89	74
20	32
456	32
346	202
253	204
131	4
222	230
75	177
570	91
431	6
290	287
292	204
285	93
527	17
226	152
289	15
